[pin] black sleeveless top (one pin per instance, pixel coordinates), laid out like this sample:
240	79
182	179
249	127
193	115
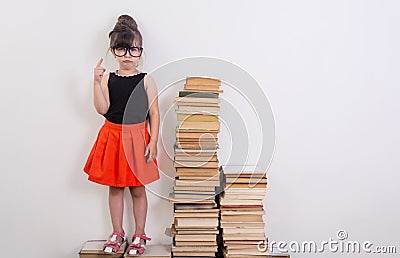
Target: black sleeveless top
128	99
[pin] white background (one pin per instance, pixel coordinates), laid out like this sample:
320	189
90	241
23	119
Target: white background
329	68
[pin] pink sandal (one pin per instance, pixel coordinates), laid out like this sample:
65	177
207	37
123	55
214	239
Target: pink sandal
136	248
113	245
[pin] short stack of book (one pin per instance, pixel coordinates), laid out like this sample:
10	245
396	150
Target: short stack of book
196	215
94	249
241	205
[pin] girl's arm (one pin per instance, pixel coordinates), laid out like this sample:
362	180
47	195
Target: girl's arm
152	96
100	86
101	96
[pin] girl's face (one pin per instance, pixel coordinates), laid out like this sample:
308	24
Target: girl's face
128	58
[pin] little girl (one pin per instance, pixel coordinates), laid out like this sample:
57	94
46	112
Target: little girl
124	153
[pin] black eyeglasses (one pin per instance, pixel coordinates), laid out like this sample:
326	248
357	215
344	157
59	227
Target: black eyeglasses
121	51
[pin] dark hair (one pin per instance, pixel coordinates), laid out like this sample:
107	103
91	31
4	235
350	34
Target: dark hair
125	32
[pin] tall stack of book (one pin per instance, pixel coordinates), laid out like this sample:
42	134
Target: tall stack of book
241	205
196	215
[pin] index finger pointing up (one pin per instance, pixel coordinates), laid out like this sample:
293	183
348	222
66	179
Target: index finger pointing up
99	63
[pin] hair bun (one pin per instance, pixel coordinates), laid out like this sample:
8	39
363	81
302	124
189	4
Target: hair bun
125	32
128	21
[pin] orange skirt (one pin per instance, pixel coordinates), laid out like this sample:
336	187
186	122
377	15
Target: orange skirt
117	156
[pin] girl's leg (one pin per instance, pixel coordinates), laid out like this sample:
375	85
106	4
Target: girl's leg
139	199
116	204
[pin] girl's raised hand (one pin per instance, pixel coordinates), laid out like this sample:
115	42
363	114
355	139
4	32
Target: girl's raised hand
99	71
